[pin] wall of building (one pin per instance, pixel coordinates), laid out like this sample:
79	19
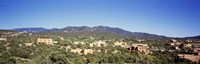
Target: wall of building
45	40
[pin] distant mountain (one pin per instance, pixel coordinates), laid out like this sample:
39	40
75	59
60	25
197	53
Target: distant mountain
6	30
193	38
104	29
118	31
71	29
30	29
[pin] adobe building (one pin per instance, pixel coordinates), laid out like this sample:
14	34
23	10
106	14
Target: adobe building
196	47
98	43
28	44
76	50
87	51
82	51
188	45
2	39
195	59
140	47
122	44
45	40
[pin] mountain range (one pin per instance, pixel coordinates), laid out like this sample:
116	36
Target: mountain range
30	29
118	31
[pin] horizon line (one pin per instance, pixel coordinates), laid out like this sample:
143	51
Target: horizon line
99	26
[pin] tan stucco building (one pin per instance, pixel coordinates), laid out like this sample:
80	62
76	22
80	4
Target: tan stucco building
82	51
2	39
140	47
122	44
45	40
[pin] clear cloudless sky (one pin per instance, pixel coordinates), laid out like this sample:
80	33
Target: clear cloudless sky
175	18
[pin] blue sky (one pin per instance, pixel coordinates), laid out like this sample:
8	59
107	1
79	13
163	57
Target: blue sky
177	18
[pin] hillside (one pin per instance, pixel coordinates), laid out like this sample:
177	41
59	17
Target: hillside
87	34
